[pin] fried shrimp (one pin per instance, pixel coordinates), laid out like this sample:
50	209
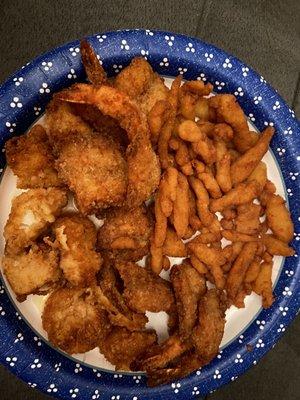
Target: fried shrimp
125	234
76	239
30	158
35	271
73	321
31	214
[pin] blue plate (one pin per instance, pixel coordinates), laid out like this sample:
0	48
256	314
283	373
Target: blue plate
24	96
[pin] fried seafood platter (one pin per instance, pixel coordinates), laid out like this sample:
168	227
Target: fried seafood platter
142	199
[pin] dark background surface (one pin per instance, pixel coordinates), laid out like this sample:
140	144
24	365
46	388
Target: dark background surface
264	34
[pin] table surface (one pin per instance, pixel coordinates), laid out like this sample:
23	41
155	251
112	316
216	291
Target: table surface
265	34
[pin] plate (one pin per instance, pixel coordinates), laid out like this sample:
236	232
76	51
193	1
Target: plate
250	333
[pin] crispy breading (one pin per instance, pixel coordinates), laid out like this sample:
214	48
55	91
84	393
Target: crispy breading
62	123
121	347
126	234
95	170
72	320
188	287
76	239
31	214
30	158
208	333
110	299
279	219
143	164
33	271
144	290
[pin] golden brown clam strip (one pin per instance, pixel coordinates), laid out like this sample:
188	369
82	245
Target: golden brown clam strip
76	238
144	290
31	214
34	271
125	234
30	158
73	321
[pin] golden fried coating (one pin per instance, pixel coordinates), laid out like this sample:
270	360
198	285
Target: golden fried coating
72	320
76	239
32	272
157	92
95	170
112	301
94	70
125	234
208	333
135	79
142	162
121	347
188	287
31	214
62	123
30	158
144	290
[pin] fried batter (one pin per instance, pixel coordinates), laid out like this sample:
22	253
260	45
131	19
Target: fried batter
142	162
144	290
208	333
76	239
110	298
30	157
125	234
95	170
72	320
94	70
188	286
121	347
32	272
31	214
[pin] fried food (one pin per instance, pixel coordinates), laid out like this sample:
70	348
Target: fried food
181	206
277	247
121	347
125	234
95	170
31	214
142	163
94	70
188	287
242	168
279	219
144	290
208	333
240	194
168	190
111	300
73	321
30	158
238	271
34	271
173	246
76	239
212	258
247	220
263	284
223	176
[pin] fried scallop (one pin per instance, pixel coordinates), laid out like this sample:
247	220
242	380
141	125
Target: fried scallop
35	271
95	171
76	238
30	158
73	321
144	290
31	214
125	233
121	347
